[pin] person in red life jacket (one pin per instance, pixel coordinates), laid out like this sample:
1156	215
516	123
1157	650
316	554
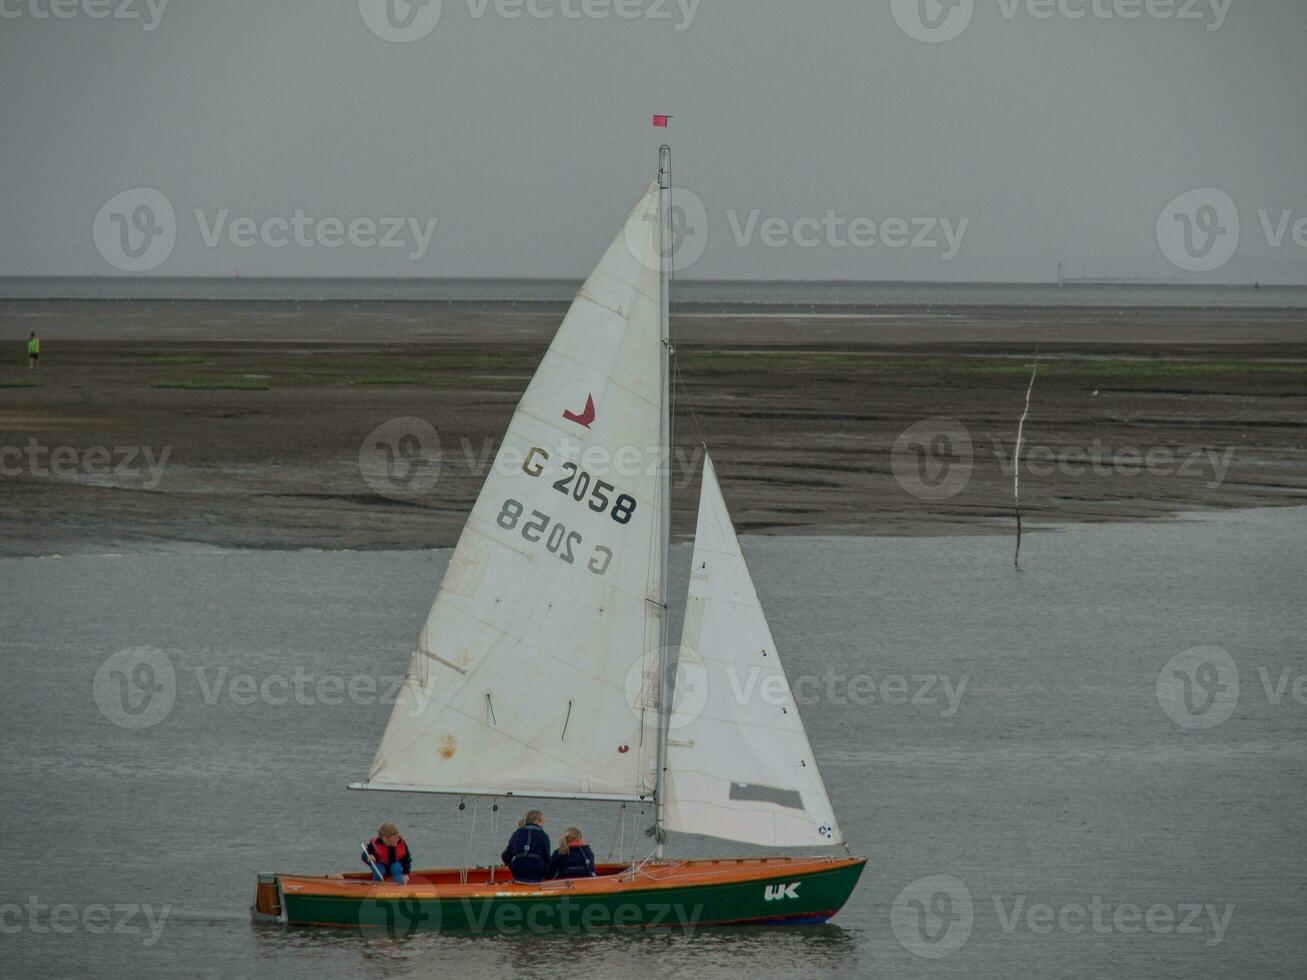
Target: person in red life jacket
573	859
390	853
527	853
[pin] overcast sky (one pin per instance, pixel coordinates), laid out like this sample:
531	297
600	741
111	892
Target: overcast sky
826	139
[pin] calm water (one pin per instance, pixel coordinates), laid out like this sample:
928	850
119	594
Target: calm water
1053	788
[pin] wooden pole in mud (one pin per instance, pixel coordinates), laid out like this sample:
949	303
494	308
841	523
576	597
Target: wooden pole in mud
1016	461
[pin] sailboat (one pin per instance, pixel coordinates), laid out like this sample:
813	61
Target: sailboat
543	669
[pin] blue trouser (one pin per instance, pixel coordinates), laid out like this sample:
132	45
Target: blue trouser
396	872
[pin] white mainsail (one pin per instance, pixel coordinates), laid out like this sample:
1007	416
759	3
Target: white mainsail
552	601
739	763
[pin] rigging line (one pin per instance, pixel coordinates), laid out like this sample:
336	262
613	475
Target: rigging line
471	839
617	833
685	393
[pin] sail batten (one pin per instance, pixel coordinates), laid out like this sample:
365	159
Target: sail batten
740	765
552	600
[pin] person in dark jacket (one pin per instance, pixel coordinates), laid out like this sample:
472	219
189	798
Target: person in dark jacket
573	859
389	852
527	853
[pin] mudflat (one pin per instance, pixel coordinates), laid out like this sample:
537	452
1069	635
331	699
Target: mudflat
243	424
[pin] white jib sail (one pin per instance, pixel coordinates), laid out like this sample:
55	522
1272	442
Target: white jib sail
530	676
739	762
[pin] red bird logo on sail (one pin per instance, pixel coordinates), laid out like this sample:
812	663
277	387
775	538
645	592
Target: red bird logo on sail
586	417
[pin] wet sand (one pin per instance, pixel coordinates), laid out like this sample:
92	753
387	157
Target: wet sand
262	409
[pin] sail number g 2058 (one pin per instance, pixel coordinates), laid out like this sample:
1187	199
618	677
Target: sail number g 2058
581	486
558	540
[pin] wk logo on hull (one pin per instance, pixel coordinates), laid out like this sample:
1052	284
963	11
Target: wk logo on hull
774	893
587	417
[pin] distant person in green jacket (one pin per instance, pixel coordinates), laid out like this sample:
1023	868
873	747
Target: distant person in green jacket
33	350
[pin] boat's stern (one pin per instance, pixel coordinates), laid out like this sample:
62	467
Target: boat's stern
267	905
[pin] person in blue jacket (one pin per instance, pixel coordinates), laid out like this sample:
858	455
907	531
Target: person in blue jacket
527	853
573	859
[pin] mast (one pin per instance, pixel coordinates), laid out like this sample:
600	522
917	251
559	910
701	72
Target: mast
665	504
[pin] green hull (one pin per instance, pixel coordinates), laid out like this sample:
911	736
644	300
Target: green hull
806	897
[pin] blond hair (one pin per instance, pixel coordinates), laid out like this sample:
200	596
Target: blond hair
387	829
569	835
532	816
